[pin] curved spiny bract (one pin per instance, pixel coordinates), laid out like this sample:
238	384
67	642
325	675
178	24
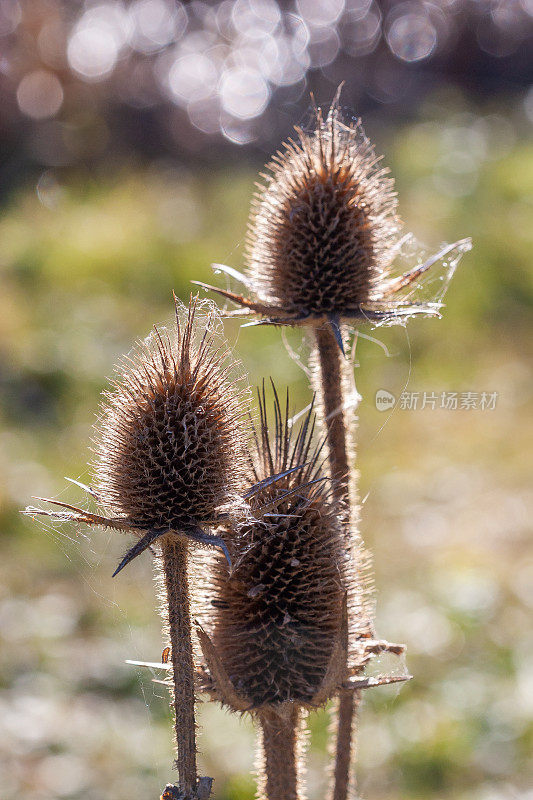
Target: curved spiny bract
169	449
324	224
279	615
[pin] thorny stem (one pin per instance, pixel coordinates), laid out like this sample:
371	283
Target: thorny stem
279	757
330	374
177	612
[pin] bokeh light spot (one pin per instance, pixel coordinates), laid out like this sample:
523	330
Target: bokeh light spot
357	9
10	16
192	77
40	94
244	93
92	52
323	46
320	12
361	34
156	23
412	37
255	18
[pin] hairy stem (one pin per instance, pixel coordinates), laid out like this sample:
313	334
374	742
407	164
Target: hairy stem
332	395
279	756
331	386
345	719
177	613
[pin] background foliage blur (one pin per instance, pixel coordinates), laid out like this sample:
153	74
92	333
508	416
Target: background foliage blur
131	135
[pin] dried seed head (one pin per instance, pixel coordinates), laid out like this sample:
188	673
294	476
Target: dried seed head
169	449
323	239
324	224
278	616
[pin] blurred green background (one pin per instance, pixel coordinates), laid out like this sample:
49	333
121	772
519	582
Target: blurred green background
88	262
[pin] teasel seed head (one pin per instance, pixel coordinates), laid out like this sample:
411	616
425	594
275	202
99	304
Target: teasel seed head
279	617
323	235
323	224
169	446
167	449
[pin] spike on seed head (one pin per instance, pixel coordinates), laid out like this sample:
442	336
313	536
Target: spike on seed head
279	614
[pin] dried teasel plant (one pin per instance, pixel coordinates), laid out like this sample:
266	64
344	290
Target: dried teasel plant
290	624
169	465
323	242
276	641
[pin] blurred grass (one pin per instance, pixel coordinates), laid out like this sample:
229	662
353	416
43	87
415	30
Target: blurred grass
87	266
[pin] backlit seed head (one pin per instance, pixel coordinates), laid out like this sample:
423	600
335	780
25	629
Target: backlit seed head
324	239
169	449
279	616
170	446
324	222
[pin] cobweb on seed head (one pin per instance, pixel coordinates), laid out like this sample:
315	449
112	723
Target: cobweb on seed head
424	295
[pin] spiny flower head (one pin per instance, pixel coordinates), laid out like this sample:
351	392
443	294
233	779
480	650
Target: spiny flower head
279	614
323	224
169	445
324	234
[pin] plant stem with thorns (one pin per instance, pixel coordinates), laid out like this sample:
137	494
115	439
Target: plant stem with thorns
331	387
176	611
